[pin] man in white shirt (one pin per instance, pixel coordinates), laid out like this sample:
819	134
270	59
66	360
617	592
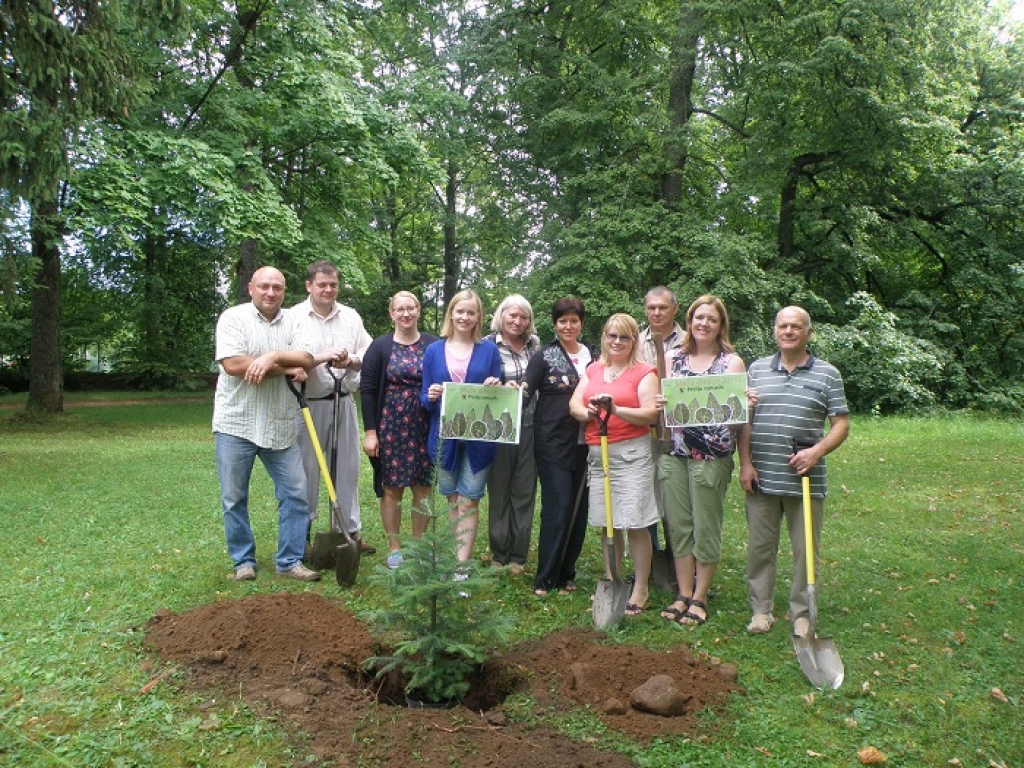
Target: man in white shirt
257	345
338	338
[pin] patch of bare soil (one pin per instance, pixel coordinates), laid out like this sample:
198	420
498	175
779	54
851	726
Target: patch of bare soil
299	657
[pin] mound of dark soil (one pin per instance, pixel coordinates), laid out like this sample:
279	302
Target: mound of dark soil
299	657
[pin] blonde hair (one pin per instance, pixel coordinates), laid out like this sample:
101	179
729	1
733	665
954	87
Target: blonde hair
515	300
448	327
624	325
403	295
724	345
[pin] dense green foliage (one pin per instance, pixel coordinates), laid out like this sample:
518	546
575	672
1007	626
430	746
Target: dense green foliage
863	159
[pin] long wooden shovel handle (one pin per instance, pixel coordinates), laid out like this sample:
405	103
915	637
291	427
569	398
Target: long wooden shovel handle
331	494
808	530
659	356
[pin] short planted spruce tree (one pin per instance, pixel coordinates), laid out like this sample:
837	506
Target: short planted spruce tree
439	631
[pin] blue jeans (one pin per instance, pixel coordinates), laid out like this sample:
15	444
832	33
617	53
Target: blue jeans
235	459
561	536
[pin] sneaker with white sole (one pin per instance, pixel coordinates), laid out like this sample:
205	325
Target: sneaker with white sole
760	624
300	573
801	627
394	559
243	572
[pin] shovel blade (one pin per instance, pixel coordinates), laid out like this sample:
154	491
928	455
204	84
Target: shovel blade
819	660
346	564
609	605
323	555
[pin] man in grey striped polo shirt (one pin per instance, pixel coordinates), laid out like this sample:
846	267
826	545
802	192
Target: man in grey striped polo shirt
795	394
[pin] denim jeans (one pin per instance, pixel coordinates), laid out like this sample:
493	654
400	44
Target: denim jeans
561	536
235	459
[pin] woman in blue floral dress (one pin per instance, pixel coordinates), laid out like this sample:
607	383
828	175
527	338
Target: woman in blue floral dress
395	423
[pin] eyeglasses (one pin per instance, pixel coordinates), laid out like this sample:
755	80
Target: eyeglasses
615	338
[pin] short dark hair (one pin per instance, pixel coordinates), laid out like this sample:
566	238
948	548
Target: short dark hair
321	265
569	305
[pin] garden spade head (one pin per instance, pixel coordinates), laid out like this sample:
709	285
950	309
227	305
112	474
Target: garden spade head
818	656
612	593
324	550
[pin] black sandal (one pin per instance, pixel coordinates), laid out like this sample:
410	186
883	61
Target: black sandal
671	613
691	619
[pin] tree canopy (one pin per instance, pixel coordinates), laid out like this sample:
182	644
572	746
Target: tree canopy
862	159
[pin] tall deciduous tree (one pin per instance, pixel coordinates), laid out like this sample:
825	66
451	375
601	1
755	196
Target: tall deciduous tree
64	64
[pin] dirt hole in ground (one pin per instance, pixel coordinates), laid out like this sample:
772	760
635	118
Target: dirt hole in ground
298	657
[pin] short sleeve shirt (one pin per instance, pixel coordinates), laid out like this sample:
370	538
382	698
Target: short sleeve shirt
262	413
792	408
342	329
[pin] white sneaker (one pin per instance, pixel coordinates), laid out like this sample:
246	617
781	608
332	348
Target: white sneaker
801	627
760	624
394	559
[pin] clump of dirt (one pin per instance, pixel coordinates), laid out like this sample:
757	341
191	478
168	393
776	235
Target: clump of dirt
299	657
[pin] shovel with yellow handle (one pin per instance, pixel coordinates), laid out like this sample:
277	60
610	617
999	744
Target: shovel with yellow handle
818	656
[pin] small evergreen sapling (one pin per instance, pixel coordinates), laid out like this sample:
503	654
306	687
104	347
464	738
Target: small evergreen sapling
440	636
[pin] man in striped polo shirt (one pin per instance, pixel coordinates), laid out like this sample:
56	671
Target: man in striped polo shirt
795	394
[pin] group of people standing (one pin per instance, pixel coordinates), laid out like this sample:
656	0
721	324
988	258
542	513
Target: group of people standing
572	392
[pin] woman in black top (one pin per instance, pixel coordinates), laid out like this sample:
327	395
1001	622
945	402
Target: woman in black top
395	424
561	454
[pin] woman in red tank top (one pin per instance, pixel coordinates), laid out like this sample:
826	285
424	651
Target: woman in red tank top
629	387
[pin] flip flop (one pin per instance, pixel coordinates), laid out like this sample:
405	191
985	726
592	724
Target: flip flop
632	609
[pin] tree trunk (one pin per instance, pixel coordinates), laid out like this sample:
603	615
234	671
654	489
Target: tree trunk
153	347
248	263
46	374
787	200
451	249
680	102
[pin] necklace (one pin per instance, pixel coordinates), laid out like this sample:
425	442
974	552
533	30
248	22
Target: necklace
610	375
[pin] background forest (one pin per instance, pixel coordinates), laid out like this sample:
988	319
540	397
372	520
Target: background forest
861	158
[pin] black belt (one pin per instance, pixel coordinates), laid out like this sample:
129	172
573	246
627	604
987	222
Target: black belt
330	396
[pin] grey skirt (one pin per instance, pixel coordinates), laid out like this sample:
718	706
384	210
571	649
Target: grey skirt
631	470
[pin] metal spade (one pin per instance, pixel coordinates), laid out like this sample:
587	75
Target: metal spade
818	656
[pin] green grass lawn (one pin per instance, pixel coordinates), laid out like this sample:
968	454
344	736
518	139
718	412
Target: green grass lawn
111	514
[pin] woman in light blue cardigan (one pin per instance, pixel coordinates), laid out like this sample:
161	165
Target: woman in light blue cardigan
461	357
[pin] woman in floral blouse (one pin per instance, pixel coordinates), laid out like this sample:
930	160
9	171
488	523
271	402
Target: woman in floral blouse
696	473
